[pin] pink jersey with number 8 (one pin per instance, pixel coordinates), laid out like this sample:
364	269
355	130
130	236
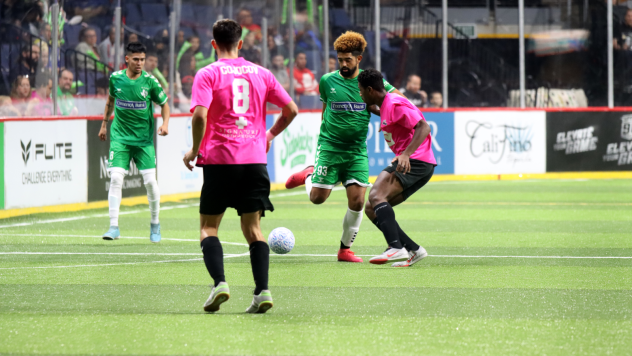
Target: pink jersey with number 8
235	93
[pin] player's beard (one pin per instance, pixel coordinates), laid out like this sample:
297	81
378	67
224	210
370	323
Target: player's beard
349	72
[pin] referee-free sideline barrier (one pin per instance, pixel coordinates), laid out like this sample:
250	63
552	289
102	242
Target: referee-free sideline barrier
60	160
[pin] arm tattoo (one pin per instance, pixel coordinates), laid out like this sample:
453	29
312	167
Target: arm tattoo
279	126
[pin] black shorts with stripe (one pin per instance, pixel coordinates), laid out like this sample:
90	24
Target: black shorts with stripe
420	173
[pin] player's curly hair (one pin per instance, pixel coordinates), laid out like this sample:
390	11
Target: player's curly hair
371	78
350	42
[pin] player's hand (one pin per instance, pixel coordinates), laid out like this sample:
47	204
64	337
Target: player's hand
269	138
103	133
163	130
403	163
188	158
268	145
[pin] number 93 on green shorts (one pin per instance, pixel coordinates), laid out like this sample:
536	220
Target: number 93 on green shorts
121	154
334	165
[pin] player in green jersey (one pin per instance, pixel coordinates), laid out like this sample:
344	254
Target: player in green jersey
132	92
341	154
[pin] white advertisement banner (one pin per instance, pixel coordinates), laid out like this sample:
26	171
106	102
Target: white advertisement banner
173	176
295	148
488	142
45	163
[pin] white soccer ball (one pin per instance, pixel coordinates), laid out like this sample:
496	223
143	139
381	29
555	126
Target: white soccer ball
281	240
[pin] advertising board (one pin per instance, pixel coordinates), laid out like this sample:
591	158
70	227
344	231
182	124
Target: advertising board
489	142
295	148
45	163
589	141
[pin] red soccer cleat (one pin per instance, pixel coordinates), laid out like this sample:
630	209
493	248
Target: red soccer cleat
298	179
346	255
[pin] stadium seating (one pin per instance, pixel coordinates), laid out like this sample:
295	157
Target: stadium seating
154	13
132	14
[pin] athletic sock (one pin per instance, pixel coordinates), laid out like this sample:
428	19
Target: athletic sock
388	224
260	263
308	185
153	194
115	195
350	227
213	258
406	241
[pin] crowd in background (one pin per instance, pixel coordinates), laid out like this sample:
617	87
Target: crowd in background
88	61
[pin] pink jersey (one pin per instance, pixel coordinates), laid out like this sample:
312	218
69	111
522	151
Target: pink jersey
235	91
399	118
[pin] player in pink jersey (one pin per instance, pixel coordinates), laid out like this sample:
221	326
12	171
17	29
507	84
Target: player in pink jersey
408	135
230	143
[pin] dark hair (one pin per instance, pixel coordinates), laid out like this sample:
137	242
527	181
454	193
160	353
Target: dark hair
227	34
298	53
151	54
83	31
371	78
412	75
135	47
65	70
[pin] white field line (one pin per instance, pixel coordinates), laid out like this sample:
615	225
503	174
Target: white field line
297	255
122	237
103	264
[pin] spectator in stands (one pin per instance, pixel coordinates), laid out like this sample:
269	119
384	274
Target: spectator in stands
32	19
307	40
151	66
333	64
89	9
162	49
279	71
41	103
244	18
107	48
192	47
46	33
103	87
187	66
180	40
275	49
436	100
43	65
249	51
65	99
26	64
6	107
88	46
304	80
132	38
21	93
413	91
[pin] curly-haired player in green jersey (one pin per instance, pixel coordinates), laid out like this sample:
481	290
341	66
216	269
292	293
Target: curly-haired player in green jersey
341	155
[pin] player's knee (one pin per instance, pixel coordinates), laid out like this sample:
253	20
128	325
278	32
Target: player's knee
116	179
375	197
149	177
317	198
356	204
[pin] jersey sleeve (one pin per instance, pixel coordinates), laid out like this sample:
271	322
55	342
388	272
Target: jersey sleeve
276	94
405	116
322	88
157	94
112	88
389	88
202	91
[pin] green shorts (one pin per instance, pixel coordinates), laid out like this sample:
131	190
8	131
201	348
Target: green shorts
121	154
333	165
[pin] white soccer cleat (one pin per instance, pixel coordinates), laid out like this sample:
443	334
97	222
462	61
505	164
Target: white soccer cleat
219	295
415	256
261	303
390	255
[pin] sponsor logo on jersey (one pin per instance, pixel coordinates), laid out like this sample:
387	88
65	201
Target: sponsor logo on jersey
348	106
132	105
144	93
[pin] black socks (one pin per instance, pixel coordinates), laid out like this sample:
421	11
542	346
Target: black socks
394	235
214	258
260	262
343	247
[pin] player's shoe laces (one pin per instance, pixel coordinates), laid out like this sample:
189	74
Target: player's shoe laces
154	233
298	179
390	255
112	234
261	303
219	295
415	256
346	255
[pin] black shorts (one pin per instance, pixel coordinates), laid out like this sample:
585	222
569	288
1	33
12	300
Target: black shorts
420	173
245	187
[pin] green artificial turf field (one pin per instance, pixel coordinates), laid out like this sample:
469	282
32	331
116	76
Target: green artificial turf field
515	268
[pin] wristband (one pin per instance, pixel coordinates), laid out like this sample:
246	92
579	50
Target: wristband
270	136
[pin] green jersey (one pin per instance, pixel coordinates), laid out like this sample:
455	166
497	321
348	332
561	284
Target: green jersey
346	118
133	112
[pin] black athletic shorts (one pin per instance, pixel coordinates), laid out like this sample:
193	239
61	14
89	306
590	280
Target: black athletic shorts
245	187
420	173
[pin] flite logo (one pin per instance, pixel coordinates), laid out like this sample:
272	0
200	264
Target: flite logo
26	151
49	151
